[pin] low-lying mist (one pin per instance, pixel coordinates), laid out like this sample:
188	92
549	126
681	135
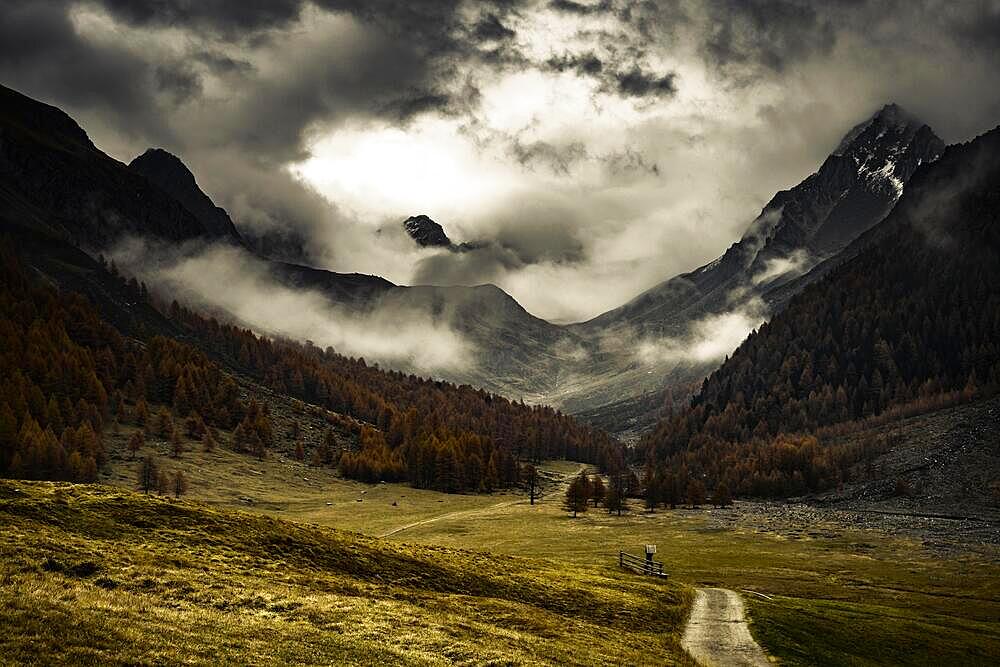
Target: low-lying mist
231	280
707	340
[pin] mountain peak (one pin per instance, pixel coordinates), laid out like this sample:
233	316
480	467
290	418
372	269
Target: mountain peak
160	160
169	172
853	190
891	118
425	231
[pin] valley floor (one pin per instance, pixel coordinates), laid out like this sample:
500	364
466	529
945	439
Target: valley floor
820	585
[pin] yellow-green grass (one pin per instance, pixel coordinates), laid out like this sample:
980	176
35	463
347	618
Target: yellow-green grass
828	632
283	487
93	574
832	583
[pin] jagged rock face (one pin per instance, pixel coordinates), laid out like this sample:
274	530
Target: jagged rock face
795	240
852	191
173	176
53	179
425	231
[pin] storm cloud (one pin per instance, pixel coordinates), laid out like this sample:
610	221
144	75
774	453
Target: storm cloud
590	149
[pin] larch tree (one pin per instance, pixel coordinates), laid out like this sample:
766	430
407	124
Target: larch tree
164	422
721	497
176	444
696	493
597	490
614	497
149	474
136	441
162	483
531	480
180	484
575	500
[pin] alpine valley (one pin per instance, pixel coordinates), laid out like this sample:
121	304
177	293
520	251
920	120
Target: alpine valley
226	439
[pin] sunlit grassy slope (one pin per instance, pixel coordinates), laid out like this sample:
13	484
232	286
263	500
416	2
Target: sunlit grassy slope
840	595
92	574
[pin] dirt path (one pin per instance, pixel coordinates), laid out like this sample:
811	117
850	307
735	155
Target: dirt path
451	515
717	634
484	510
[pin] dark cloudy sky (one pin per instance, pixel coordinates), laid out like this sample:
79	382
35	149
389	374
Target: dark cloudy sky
599	146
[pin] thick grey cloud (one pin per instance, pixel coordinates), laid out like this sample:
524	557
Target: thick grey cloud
637	142
41	52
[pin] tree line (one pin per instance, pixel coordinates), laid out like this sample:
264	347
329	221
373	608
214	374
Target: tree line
66	374
430	433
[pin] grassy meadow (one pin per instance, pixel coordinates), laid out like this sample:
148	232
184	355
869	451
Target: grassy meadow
94	575
479	579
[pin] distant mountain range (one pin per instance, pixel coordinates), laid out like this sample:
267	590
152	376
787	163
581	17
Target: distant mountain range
54	181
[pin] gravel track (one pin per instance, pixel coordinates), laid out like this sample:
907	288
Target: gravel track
717	634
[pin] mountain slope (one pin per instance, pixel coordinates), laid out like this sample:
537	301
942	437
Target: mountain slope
168	172
799	229
54	179
516	353
95	575
852	191
910	323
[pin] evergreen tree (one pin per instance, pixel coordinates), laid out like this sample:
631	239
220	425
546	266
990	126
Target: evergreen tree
135	442
576	497
597	490
531	480
721	496
180	484
149	474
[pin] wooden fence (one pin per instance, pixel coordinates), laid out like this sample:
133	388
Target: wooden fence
640	565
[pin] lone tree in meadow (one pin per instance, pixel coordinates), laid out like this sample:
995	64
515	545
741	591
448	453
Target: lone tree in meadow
531	479
584	481
149	474
576	497
597	490
194	426
208	442
162	483
180	484
136	441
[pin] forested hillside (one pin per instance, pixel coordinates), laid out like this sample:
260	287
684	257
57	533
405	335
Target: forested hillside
67	375
911	323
